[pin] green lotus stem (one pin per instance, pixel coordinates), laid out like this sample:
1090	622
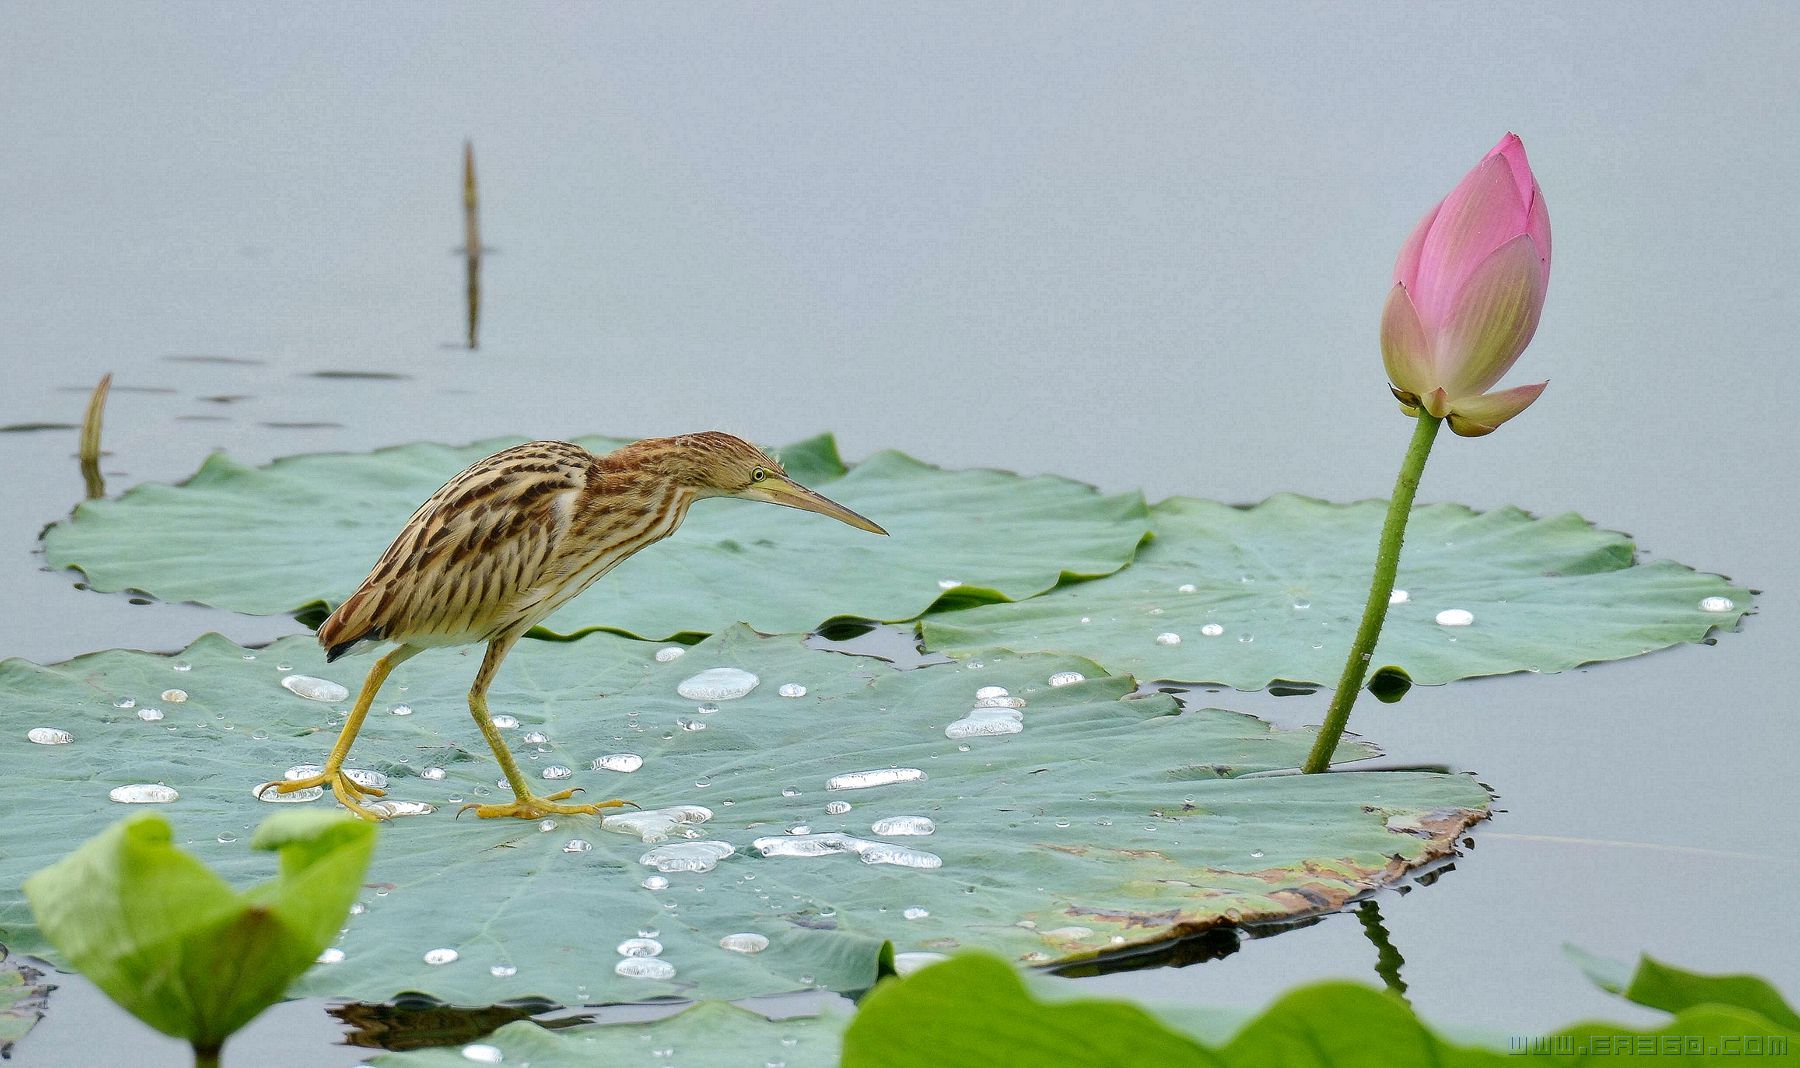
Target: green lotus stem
1387	562
207	1058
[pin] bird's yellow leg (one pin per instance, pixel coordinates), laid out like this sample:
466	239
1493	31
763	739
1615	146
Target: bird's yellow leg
348	791
526	805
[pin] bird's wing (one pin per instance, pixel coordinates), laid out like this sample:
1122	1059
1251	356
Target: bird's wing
470	553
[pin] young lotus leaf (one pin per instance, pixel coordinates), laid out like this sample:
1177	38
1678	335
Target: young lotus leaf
1249	596
710	1033
1104	821
175	945
306	529
974	1012
1664	986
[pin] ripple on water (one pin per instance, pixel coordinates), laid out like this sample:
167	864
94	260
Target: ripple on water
314	689
717	684
862	780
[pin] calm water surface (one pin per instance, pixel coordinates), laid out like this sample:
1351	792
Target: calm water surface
1145	247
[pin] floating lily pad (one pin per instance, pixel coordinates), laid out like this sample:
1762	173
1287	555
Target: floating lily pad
1106	821
304	530
22	992
1249	596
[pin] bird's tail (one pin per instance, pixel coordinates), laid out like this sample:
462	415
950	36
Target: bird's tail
352	624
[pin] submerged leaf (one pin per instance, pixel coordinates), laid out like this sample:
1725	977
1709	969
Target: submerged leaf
172	943
1101	821
306	529
1249	596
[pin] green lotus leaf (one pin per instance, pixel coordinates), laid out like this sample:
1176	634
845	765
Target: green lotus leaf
1272	592
1108	821
1663	986
174	944
709	1033
306	529
974	1012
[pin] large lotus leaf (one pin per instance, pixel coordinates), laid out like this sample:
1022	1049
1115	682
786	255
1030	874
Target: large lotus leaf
1108	821
1246	596
710	1033
306	529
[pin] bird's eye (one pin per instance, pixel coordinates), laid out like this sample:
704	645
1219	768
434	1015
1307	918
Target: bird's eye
758	475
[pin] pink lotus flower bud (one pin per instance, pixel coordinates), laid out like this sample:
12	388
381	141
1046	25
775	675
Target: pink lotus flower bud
1468	288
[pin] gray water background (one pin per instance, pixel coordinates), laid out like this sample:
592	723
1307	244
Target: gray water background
1140	245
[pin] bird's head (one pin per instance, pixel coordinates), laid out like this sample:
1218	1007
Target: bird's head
715	464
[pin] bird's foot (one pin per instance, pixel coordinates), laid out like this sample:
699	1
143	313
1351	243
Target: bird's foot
536	808
348	791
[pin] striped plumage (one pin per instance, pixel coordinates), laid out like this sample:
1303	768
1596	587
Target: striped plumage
509	540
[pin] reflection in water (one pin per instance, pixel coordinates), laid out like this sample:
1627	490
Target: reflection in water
90	439
471	240
1387	959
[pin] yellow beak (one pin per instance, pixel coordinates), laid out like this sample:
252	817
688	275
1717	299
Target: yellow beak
783	491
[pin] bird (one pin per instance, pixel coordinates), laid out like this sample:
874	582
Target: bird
510	540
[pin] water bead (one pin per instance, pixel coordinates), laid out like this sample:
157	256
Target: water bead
645	968
687	856
670	652
49	736
688	724
556	771
744	942
534	738
986	722
789	791
903	825
837	808
577	845
393	809
482	1053
144	793
433	773
1067	678
1246	638
656	882
1399	597
1168	637
640	947
718	684
332	955
181	665
988	693
502	971
441	956
706	709
1716	604
621	762
276	797
861	780
125	702
949	584
1212	630
314	689
174	697
506	723
1187	587
791	689
915	914
400	710
1455	617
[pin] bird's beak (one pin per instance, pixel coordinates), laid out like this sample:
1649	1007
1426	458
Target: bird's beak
783	491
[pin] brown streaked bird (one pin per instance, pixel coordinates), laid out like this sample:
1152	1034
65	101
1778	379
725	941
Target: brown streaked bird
509	541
